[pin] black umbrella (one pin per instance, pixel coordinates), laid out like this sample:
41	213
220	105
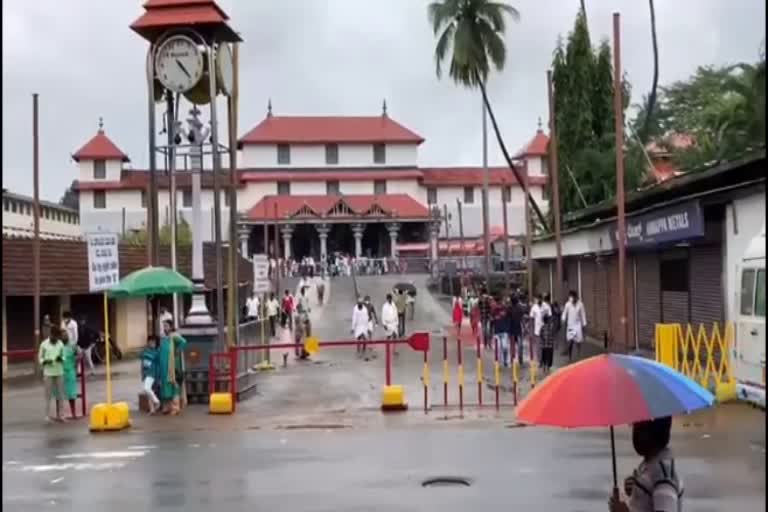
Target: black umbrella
408	288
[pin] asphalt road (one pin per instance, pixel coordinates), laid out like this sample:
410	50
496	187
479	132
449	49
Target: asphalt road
313	439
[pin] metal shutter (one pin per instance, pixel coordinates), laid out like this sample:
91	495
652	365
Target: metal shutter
675	305
707	286
599	322
588	277
616	332
647	296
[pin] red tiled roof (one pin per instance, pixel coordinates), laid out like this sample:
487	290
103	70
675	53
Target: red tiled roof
321	206
138	179
536	147
294	175
473	176
203	15
100	147
674	140
328	129
64	265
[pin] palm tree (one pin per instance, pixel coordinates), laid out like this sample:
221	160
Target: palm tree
472	31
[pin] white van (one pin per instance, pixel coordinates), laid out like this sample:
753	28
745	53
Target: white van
749	348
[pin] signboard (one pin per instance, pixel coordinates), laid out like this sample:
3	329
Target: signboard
261	282
666	225
103	262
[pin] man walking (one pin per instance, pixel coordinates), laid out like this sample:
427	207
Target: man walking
485	317
273	308
575	321
400	304
51	359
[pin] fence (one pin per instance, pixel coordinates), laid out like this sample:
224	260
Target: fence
30	355
699	353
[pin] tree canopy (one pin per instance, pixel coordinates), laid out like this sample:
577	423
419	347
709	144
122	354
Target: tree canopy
183	235
583	97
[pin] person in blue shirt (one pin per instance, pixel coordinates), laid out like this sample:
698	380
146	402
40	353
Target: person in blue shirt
149	371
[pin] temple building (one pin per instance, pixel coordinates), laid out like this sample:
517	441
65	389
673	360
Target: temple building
323	184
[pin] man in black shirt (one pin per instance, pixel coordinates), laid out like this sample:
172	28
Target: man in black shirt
485	316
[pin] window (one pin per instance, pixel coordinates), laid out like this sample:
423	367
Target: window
186	198
13	206
99	199
379	154
332	188
331	154
379	187
674	275
143	198
283	188
506	194
760	294
99	169
283	154
469	195
748	292
431	195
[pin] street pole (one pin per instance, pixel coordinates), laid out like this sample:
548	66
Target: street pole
277	254
618	103
486	228
232	277
554	176
459	208
504	199
528	239
216	157
171	123
153	237
36	221
448	245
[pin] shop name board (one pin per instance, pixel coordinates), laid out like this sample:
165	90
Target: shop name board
673	224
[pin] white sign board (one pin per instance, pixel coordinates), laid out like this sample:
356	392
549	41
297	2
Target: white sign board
103	262
261	282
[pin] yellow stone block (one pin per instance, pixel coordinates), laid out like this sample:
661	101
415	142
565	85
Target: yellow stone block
393	398
220	403
109	417
725	392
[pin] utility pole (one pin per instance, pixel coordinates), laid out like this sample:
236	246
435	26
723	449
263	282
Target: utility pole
232	275
504	200
486	226
618	104
36	220
461	234
448	244
554	177
528	238
171	166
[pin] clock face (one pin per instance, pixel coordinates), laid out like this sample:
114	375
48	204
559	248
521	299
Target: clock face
179	64
224	68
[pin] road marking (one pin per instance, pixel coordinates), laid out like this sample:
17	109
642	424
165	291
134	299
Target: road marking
80	466
142	447
57	480
104	455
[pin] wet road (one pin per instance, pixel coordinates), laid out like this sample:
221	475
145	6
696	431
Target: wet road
359	470
313	439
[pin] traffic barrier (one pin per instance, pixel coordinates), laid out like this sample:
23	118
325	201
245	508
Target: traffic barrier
222	402
700	354
496	368
30	355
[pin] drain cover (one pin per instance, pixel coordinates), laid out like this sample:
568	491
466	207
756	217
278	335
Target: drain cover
446	481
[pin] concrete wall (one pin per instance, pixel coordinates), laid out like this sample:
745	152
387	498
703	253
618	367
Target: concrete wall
744	218
313	155
52	221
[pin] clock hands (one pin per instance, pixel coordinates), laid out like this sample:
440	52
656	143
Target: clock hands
183	68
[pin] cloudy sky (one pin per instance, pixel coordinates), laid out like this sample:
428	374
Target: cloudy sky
318	57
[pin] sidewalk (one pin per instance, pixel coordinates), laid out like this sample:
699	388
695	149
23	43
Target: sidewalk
23	374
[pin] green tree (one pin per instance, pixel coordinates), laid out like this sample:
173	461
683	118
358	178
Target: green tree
470	41
183	235
583	80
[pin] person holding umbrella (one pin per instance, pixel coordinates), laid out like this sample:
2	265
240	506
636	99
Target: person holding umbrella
654	486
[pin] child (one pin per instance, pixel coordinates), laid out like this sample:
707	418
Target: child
149	369
69	362
547	338
458	314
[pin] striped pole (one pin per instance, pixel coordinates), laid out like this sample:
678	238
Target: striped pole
445	371
460	374
479	373
496	369
425	380
515	375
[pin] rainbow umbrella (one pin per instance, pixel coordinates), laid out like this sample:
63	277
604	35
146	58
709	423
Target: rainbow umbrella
608	390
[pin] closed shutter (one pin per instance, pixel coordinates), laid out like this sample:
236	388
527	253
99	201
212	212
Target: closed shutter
602	300
647	297
588	287
675	286
707	286
541	276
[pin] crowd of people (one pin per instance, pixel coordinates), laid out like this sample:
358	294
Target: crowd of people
336	265
398	307
509	320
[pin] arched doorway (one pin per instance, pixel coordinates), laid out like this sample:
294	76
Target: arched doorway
340	239
305	242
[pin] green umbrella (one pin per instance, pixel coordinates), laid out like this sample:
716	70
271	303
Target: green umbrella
151	281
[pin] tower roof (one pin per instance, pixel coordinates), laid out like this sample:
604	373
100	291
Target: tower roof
100	147
537	146
205	16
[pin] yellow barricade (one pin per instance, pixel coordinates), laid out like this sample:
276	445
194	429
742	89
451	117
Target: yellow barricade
700	354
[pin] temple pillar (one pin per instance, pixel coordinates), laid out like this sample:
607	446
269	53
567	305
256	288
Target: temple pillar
357	232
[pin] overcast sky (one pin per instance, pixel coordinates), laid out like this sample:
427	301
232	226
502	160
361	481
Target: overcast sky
317	57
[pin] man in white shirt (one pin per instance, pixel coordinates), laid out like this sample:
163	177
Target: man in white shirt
273	309
389	317
360	321
253	307
575	321
70	326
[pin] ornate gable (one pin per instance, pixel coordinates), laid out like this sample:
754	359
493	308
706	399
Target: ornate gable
341	209
376	211
305	211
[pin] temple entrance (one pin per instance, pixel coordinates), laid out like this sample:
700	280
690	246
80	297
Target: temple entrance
305	242
340	239
376	241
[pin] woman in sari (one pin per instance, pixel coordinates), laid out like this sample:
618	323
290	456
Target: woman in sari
171	372
70	357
